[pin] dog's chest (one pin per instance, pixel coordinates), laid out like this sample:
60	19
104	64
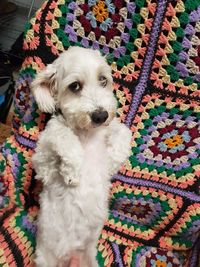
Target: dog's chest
95	156
92	193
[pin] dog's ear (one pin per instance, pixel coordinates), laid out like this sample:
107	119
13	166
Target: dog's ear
44	89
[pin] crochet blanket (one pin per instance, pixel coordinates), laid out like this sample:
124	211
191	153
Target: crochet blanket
153	48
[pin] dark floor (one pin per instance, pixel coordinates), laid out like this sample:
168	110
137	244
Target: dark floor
11	26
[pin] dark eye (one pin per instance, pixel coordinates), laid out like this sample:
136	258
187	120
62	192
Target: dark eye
103	80
75	87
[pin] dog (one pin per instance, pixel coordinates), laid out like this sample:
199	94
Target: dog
82	146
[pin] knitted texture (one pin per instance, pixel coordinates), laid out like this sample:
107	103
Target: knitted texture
153	48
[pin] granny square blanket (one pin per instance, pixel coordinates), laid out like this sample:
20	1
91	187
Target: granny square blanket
153	47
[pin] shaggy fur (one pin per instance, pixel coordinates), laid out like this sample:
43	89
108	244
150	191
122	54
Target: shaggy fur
76	155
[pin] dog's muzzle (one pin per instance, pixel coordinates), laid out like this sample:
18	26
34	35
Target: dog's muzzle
99	116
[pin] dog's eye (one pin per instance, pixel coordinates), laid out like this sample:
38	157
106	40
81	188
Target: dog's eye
75	87
103	80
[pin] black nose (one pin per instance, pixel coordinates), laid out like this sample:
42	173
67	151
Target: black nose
99	116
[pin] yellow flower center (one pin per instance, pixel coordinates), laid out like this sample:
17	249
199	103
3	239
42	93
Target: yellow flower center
160	263
173	141
100	11
136	209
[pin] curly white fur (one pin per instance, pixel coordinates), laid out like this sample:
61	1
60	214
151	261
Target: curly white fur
75	158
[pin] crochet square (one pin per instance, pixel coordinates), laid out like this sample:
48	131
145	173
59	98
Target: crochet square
137	256
177	61
119	29
102	23
110	27
166	141
157	257
139	212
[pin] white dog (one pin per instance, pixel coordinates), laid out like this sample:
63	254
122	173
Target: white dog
82	146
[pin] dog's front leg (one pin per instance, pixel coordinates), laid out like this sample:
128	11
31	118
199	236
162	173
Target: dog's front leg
118	142
70	171
70	153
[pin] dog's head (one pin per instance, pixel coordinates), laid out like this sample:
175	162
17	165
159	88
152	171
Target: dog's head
79	83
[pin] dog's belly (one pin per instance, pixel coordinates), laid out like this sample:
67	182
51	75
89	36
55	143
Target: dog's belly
88	215
73	219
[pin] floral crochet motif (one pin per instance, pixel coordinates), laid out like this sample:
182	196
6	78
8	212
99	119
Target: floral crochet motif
100	11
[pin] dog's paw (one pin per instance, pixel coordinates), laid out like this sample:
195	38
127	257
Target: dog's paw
69	175
118	134
71	181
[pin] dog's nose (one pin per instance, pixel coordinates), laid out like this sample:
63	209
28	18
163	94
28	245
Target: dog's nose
99	117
